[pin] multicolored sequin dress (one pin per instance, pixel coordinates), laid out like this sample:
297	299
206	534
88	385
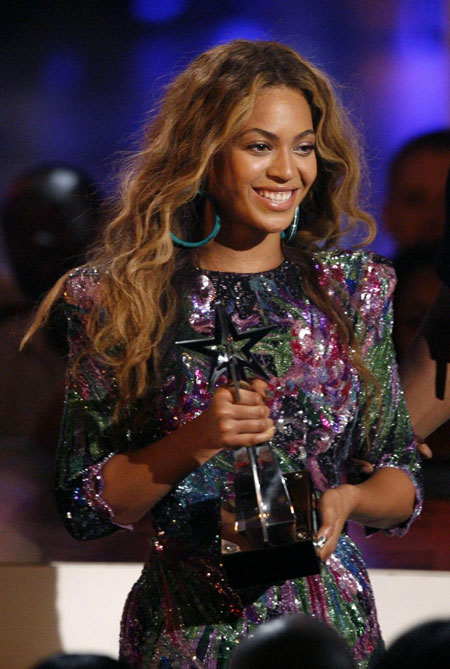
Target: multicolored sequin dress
182	612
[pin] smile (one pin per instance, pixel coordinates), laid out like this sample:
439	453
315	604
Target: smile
275	196
276	200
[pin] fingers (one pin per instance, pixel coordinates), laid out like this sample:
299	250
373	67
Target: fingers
261	387
325	540
253	392
234	440
334	507
363	466
243	423
423	448
322	543
425	451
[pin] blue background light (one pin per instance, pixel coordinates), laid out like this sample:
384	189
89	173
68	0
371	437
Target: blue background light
242	28
157	11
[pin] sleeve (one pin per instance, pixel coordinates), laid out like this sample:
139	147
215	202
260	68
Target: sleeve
88	435
384	433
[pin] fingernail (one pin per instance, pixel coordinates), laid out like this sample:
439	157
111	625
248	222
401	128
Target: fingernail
268	393
320	542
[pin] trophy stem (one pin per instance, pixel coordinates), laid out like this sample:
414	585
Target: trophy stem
259	499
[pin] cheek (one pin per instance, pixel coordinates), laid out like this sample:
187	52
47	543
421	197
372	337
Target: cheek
243	169
313	169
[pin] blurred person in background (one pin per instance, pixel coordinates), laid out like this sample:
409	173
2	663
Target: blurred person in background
414	211
49	216
421	335
425	367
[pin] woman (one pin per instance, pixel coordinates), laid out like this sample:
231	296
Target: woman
246	137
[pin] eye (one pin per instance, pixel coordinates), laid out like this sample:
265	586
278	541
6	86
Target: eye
305	148
259	147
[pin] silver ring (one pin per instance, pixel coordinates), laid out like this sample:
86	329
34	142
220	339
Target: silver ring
319	542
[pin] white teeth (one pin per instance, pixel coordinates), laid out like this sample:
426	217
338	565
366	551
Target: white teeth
276	196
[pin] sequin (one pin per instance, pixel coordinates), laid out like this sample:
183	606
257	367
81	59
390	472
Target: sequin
182	612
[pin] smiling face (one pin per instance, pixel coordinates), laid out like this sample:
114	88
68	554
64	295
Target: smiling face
265	172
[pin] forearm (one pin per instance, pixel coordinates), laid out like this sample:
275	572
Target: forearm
134	482
418	371
418	374
383	500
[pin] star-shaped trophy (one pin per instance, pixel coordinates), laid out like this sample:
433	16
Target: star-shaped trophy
230	351
268	528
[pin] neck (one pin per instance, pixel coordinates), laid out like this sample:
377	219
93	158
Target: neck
263	257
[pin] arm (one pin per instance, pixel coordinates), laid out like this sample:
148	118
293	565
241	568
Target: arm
134	482
106	472
420	367
391	496
386	499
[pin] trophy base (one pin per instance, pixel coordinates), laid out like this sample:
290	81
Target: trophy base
249	561
271	565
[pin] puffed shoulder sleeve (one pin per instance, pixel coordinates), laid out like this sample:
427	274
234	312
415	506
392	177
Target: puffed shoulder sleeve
88	434
385	434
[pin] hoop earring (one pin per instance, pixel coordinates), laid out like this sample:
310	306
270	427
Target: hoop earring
288	235
212	234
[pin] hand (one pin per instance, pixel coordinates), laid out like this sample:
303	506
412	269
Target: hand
233	424
335	506
423	448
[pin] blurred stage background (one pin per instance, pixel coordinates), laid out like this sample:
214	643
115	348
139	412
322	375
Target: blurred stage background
78	77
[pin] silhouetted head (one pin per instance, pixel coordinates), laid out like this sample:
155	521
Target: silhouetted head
425	646
414	210
293	641
49	217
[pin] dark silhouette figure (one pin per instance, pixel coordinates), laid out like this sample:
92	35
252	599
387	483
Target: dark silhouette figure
427	645
80	661
293	641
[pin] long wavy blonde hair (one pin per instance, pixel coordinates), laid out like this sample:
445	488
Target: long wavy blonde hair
203	108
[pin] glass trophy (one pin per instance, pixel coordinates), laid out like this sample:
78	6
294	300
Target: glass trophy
269	527
269	523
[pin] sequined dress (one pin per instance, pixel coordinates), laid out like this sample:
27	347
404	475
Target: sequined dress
182	612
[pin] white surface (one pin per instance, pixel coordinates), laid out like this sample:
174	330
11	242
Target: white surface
76	607
406	598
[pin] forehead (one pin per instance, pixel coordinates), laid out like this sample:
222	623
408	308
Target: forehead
280	107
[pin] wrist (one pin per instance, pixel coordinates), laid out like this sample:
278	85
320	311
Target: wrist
198	439
351	498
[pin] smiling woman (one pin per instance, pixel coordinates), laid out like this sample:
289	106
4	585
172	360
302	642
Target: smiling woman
247	179
259	179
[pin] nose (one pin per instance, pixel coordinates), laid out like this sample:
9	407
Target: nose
281	167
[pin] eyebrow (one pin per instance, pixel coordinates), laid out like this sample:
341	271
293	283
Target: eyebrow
271	135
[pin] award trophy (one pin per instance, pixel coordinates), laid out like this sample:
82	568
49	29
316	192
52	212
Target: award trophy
268	528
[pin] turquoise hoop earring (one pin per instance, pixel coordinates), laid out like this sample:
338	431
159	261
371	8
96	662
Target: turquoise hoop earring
288	235
214	232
